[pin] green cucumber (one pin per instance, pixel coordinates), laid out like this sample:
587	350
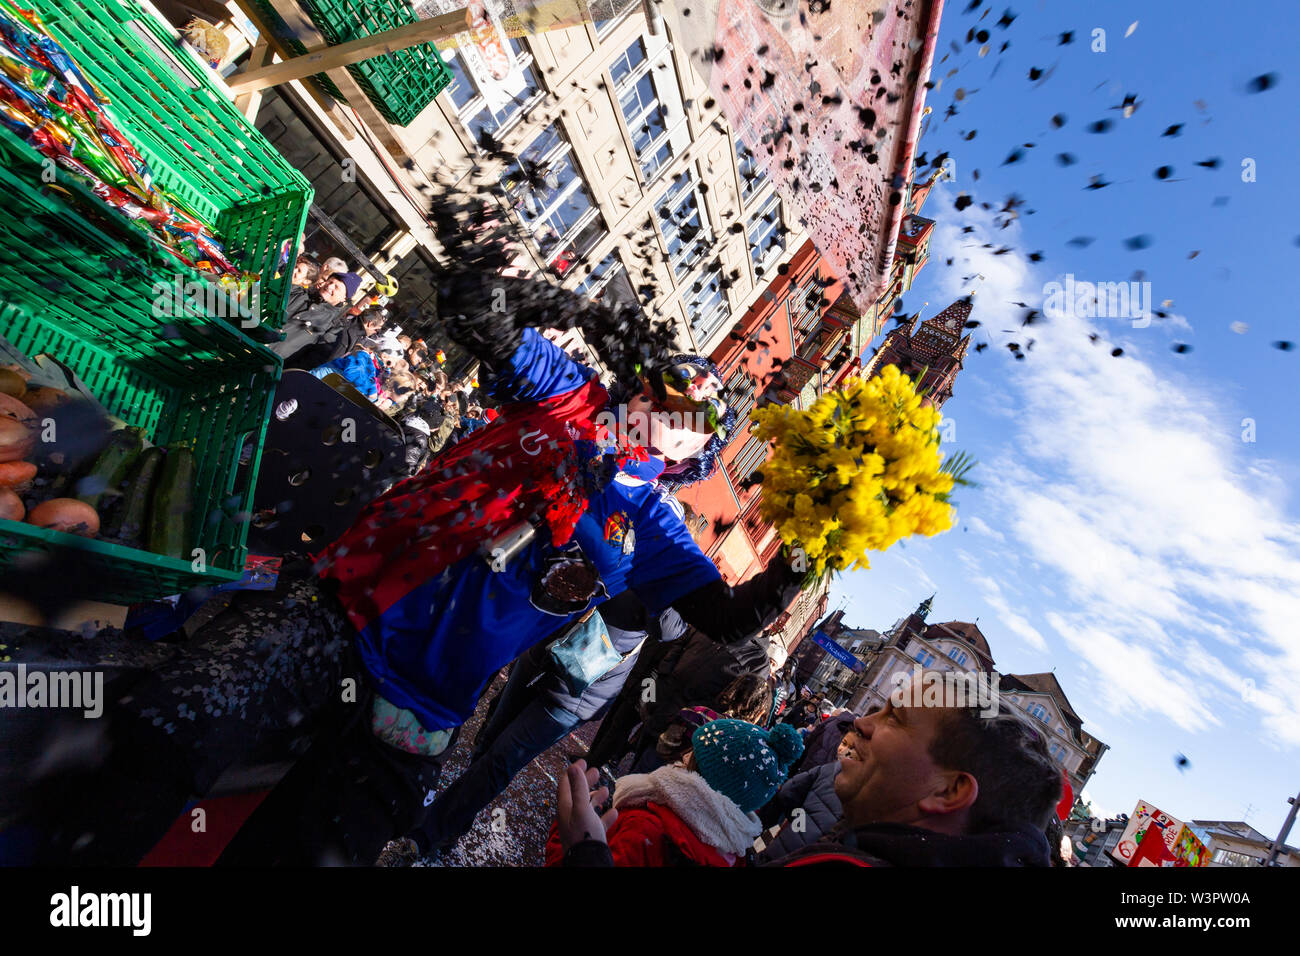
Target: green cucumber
103	483
128	524
171	511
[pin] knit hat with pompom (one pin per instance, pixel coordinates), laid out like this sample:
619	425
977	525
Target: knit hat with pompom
744	762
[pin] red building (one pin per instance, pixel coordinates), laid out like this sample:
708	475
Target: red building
803	337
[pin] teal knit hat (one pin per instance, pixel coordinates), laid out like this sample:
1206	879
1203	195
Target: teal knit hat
744	762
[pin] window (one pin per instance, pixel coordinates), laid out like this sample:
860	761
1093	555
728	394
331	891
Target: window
751	456
706	303
959	657
924	657
739	393
607	14
600	275
766	235
632	59
485	104
546	190
1058	752
683	226
1231	858
1037	711
638	98
752	177
805	309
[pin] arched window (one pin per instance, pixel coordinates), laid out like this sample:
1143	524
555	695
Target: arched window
958	656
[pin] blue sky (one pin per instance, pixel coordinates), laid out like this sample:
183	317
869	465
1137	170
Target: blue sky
1123	532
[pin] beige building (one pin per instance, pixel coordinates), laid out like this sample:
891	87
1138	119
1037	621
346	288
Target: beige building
1235	843
644	192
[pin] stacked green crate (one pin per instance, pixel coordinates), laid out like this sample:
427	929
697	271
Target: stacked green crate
201	149
277	26
156	344
400	84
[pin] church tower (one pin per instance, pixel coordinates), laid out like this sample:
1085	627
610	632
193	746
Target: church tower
931	354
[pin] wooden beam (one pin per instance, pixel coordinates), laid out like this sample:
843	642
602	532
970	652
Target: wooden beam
327	105
325	58
249	103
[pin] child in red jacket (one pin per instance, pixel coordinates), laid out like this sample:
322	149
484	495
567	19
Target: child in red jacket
698	811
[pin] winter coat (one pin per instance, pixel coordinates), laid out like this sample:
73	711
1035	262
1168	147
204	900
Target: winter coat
813	792
318	323
359	369
695	672
297	300
893	844
887	844
672	817
802	714
822	741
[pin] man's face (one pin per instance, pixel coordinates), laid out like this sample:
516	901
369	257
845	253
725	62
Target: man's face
888	769
333	291
302	276
374	325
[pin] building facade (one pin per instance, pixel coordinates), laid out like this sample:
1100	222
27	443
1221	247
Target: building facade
635	188
802	338
1234	843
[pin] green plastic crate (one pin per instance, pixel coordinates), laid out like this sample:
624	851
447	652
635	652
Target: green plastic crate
201	149
401	84
156	361
276	24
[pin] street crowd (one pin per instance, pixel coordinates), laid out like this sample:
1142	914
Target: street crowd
528	536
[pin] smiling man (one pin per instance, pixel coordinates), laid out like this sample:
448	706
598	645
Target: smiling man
941	786
920	786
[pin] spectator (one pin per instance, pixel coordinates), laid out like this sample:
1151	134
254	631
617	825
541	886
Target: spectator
746	698
358	368
319	324
532	712
331	267
305	272
822	741
804	712
305	275
812	795
923	786
693	670
696	812
372	324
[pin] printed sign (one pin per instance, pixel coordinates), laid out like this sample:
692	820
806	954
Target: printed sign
837	652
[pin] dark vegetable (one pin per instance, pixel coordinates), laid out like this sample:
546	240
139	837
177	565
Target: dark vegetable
127	525
103	484
170	513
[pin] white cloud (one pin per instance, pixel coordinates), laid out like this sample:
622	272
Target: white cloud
978	525
1177	562
1011	620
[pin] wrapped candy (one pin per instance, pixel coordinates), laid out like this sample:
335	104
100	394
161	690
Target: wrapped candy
46	99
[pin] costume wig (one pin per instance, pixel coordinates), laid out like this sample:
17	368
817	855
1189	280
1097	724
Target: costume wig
688	472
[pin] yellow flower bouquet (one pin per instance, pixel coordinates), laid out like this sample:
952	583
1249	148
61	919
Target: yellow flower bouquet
856	472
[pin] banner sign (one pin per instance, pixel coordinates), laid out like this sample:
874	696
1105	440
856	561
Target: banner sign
837	652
